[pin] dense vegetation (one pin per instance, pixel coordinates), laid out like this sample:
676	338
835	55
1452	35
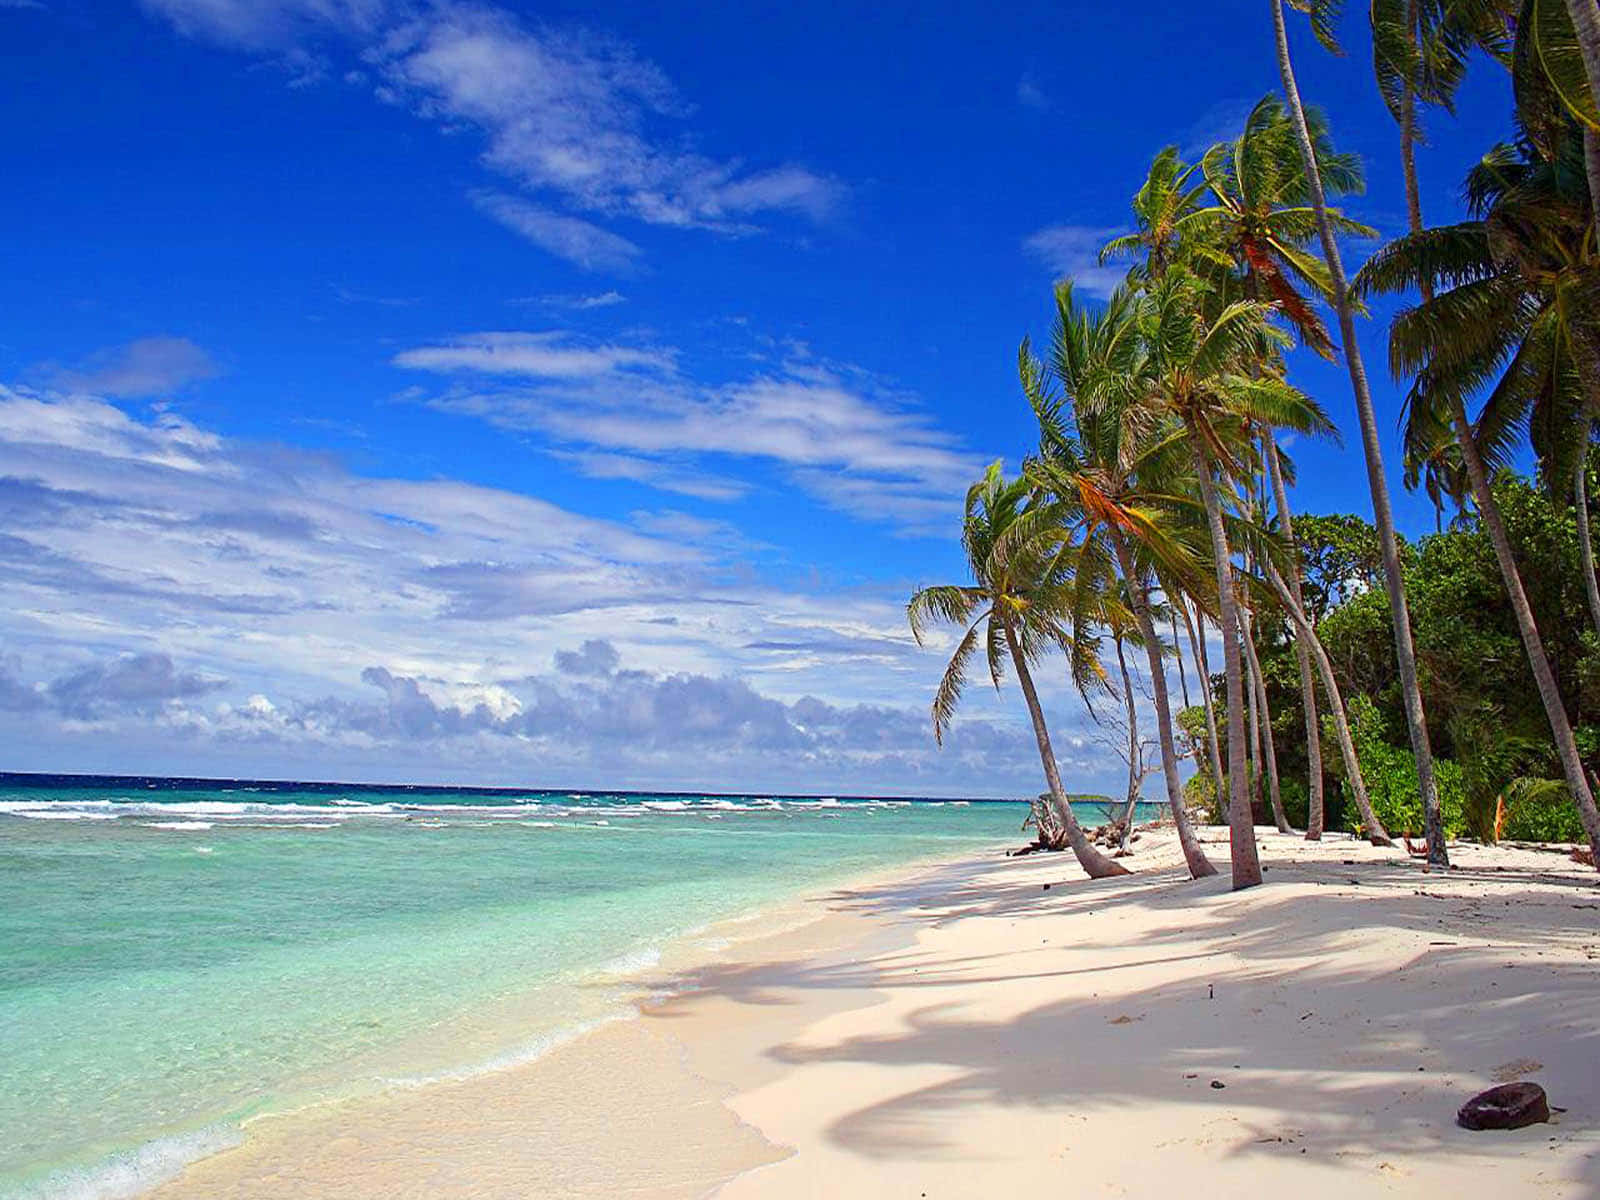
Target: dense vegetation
1441	689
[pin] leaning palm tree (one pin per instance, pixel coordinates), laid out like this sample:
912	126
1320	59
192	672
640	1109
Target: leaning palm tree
1111	483
1514	293
1322	13
1188	366
1018	608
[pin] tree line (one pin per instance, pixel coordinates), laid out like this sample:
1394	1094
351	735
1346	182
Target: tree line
1157	493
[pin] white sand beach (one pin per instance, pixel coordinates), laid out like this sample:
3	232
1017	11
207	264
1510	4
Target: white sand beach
998	1026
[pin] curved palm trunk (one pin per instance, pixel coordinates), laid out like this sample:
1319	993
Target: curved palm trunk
1197	647
1383	516
1134	764
1308	686
1241	825
1270	751
1193	855
1543	677
1097	865
1376	833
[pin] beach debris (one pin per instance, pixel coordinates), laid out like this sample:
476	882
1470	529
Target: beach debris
1211	991
1507	1106
1580	855
1218	1084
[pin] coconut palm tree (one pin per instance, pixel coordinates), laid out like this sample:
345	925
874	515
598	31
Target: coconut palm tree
1105	476
1323	13
1018	608
1261	220
1514	293
1187	366
1420	52
1167	200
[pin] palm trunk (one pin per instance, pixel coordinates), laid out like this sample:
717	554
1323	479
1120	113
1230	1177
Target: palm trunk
1252	710
1586	25
1308	686
1241	825
1270	752
1383	516
1376	833
1580	505
1134	756
1197	646
1199	865
1177	652
1097	865
1543	677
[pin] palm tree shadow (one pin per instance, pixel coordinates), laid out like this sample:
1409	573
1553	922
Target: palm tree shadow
1265	993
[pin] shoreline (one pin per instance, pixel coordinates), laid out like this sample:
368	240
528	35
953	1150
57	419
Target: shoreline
968	1025
234	1163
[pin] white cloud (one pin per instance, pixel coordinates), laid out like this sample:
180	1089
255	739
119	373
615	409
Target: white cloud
571	116
576	303
539	355
182	600
572	238
155	366
1072	252
1030	95
618	413
664	476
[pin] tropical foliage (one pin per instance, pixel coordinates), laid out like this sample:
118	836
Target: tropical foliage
1457	678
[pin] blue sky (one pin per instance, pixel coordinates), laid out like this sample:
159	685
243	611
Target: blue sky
561	396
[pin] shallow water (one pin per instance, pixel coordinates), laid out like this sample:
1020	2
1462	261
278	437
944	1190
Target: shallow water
173	961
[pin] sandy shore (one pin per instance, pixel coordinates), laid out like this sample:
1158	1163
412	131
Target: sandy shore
1002	1024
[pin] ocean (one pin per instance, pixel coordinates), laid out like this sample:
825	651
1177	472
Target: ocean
177	956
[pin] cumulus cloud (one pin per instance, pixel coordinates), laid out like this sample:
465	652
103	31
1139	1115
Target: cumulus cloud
137	681
156	366
571	116
1073	252
594	657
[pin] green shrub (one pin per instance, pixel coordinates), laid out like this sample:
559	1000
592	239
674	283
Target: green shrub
1200	795
1391	777
1541	810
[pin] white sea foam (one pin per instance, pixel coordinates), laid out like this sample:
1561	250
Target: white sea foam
179	824
633	962
133	1172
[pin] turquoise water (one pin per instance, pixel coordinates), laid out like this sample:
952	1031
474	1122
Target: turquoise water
174	961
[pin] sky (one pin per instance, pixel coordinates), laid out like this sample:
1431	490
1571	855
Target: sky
558	396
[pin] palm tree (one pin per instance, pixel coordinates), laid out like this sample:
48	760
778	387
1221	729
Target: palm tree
1167	200
1106	481
1262	221
1420	50
1513	296
1018	608
1322	15
1187	365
